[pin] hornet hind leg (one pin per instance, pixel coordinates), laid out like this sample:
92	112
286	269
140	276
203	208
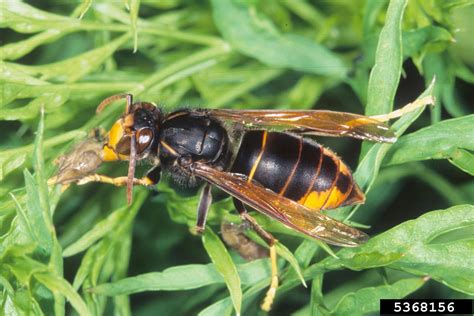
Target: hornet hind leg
271	241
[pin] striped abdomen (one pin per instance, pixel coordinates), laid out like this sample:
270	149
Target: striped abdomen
297	168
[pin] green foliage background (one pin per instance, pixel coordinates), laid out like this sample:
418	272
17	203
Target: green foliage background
84	251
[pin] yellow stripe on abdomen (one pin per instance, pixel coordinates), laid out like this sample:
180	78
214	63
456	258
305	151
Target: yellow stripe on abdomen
255	165
315	200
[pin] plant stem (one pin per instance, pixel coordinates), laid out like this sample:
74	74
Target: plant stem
430	177
255	81
166	33
208	54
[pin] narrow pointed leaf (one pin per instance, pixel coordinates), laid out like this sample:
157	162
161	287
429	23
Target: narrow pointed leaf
224	265
257	37
367	300
410	247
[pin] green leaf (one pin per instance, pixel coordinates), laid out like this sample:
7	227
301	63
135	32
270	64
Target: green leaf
122	257
83	8
367	300
372	259
255	56
464	160
370	164
444	186
61	286
87	263
410	248
224	265
177	278
438	64
224	306
24	18
371	11
74	68
231	91
254	271
21	48
369	278
101	229
105	226
257	37
14	158
286	253
307	91
134	8
184	277
31	110
434	66
35	214
305	11
317	300
13	90
415	40
438	141
53	248
385	74
453	104
305	252
6	285
12	73
21	235
382	86
457	4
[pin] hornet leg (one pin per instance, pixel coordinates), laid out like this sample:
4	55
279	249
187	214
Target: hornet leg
204	204
271	241
151	178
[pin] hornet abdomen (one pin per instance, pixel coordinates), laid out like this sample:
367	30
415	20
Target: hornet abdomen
297	168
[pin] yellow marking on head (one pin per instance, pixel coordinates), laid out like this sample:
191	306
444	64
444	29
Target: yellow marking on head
113	138
128	121
115	134
109	155
255	165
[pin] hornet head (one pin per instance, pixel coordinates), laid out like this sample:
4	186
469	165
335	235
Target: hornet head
133	136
